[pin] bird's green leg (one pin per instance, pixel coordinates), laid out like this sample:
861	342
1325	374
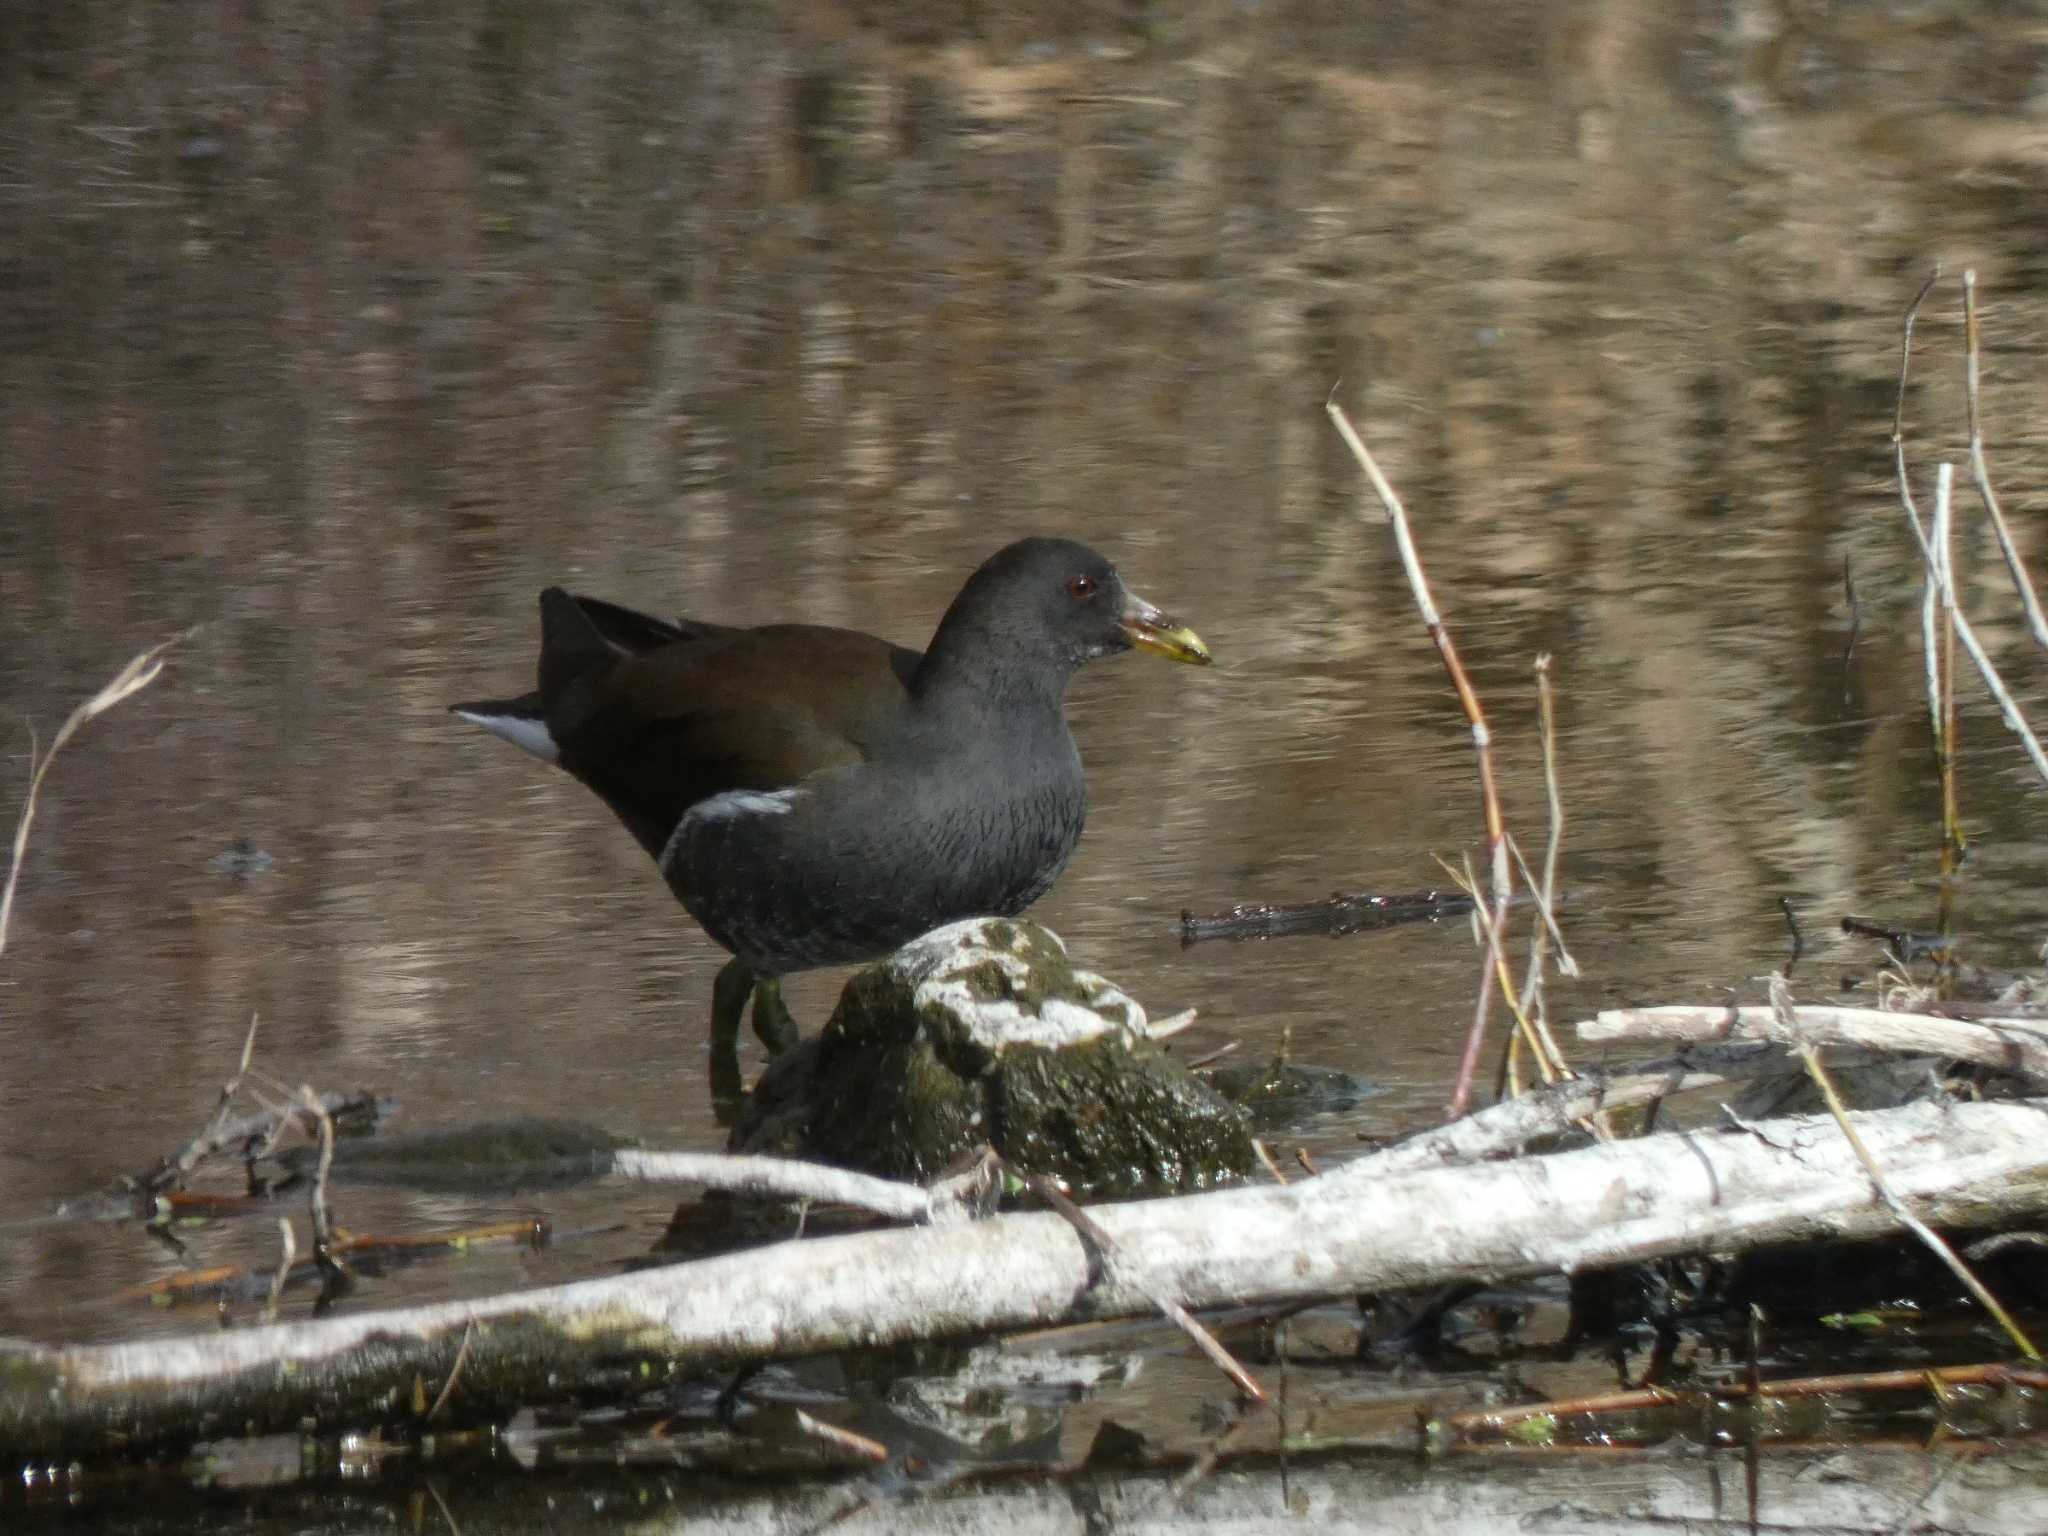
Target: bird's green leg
772	1024
729	994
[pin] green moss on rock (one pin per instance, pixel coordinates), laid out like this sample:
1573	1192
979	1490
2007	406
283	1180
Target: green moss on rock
985	1032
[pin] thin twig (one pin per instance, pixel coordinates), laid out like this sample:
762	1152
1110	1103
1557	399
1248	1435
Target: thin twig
334	1272
288	1253
1220	1447
1482	744
1781	1004
1798	937
446	1513
173	1170
1899	409
1546	732
1967	634
130	680
1107	1250
1941	577
1548	1062
1534	1004
785	1178
264	1128
454	1371
858	1445
1929	642
1546	919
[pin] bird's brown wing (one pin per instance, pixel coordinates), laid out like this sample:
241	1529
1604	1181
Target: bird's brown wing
759	709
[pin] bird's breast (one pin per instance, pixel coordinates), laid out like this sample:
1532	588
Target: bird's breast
849	867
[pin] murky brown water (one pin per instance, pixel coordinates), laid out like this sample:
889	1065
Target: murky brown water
342	334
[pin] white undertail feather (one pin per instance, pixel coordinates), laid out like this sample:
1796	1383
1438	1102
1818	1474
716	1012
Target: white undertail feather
526	734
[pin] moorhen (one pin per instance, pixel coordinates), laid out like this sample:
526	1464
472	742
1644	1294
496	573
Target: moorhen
818	796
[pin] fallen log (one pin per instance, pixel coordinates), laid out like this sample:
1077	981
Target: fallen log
1357	1228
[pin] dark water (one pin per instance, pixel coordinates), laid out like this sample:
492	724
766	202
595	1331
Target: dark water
341	332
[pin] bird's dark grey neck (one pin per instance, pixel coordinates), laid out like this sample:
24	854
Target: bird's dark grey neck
972	668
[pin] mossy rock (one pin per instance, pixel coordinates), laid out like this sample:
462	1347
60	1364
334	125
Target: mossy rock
985	1032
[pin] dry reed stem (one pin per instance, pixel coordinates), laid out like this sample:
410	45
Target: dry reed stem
1809	1053
1962	628
130	680
1548	1062
1941	588
1482	744
1546	895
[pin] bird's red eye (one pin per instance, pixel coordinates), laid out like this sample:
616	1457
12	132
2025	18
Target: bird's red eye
1081	586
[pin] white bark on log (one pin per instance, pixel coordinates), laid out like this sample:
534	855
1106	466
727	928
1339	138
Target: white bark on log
788	1179
1854	1492
1353	1229
2011	1045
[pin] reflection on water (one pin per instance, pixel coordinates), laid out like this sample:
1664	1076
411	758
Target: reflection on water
344	335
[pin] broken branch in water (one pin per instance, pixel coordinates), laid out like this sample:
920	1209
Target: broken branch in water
137	1192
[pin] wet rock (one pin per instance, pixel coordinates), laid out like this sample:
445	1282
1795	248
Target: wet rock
985	1032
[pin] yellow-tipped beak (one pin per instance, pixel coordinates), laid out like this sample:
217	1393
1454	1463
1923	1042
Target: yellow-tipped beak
1151	630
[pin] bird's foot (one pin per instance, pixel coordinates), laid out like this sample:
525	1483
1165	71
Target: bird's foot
773	1026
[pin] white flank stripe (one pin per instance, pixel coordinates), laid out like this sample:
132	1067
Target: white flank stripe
527	735
730	806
